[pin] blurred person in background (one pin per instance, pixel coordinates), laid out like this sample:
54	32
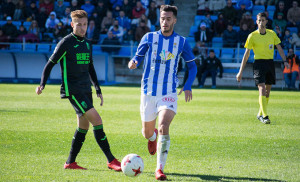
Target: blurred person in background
291	73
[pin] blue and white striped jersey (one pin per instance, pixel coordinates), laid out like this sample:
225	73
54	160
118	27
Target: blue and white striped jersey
161	55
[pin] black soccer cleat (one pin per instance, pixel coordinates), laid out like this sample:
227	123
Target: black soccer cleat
266	120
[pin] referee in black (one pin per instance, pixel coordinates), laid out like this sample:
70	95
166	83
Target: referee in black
74	53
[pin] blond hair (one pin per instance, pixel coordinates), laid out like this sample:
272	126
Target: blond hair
77	14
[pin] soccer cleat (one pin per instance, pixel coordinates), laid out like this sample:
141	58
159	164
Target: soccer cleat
114	165
266	120
73	165
159	175
152	145
260	118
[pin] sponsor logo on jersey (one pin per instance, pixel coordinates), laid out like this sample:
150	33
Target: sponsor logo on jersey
271	46
75	46
83	58
168	99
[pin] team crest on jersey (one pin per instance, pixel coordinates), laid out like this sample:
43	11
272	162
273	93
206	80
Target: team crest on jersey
166	55
271	46
175	45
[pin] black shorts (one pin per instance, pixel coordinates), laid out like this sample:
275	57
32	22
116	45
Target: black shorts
81	102
264	72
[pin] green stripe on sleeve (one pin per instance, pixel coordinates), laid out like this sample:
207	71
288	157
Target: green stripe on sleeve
82	110
65	77
62	56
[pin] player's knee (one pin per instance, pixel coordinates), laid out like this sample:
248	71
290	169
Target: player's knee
163	129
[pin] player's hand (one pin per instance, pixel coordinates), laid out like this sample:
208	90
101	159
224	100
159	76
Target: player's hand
239	76
101	97
287	65
188	95
39	89
132	64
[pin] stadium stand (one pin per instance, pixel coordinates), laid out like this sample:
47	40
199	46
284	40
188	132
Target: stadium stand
7	68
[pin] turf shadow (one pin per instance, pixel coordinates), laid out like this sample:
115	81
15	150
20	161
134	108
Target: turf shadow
220	178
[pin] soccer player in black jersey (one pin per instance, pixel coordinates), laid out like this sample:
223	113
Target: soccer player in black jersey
74	54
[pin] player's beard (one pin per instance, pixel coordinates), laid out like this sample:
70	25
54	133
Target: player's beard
168	30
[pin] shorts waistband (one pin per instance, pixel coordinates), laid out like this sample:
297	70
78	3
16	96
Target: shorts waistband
260	60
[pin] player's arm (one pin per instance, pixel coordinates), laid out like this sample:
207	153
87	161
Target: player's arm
57	55
94	80
282	55
140	53
189	57
243	64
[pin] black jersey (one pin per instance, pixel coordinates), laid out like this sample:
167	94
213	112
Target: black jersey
75	57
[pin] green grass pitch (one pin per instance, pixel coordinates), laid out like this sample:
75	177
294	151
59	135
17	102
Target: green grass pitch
216	137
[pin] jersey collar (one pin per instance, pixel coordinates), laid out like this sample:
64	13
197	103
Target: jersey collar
78	38
167	37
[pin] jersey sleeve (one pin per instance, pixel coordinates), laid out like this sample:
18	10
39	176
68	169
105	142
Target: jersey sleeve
249	42
187	53
276	38
142	49
59	52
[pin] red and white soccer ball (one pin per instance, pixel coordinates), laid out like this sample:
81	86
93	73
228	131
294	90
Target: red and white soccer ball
132	165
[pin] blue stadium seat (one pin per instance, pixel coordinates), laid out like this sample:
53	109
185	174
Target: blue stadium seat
236	28
227	55
271	14
214	17
43	48
217	52
191	41
239	53
152	29
125	52
292	29
198	19
2	23
193	29
16	47
217	42
17	23
259	7
271	8
30	47
27	24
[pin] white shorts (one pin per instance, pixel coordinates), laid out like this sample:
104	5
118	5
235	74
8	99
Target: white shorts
152	105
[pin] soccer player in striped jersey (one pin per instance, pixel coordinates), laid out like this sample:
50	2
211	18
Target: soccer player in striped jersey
74	53
161	51
262	41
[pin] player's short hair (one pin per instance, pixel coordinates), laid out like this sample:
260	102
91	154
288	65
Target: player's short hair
262	14
77	14
211	50
169	8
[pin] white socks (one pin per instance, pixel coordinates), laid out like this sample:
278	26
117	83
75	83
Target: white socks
153	137
163	146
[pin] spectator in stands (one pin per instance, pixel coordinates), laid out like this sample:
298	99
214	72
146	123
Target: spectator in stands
293	16
51	22
209	22
10	30
260	2
97	19
124	21
230	37
291	73
248	20
229	12
216	6
153	14
34	28
203	7
270	22
88	7
41	19
66	18
279	21
60	31
243	34
278	32
117	30
3	38
59	9
211	66
128	37
116	3
116	11
280	8
107	22
145	19
286	40
127	8
20	13
295	41
137	12
141	30
32	11
159	3
203	35
8	9
110	42
22	30
92	32
220	25
145	3
74	5
101	9
48	5
240	14
248	4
